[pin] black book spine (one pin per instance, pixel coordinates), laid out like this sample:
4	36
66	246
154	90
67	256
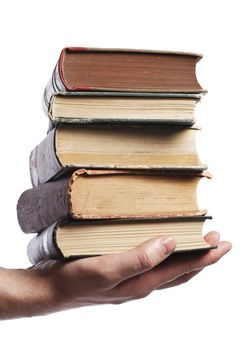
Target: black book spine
54	86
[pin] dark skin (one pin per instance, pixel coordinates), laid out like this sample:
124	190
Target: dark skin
53	286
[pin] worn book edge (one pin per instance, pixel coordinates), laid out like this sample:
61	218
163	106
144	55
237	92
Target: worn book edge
49	103
45	166
44	245
90	172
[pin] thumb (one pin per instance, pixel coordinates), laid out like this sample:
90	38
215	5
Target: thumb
142	258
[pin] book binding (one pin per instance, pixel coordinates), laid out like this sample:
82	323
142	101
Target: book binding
40	206
57	83
44	245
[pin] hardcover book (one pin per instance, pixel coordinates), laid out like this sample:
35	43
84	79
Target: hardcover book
114	147
123	108
105	194
75	239
93	69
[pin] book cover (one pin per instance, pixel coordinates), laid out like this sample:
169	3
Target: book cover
58	241
105	194
67	148
103	70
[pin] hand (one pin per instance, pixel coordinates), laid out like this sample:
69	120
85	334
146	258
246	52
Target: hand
53	285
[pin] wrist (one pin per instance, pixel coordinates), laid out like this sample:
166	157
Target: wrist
26	293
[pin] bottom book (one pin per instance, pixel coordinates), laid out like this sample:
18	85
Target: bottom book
76	239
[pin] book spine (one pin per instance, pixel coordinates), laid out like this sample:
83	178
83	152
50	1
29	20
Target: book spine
54	86
41	206
43	161
43	246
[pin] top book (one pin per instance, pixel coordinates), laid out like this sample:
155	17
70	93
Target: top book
123	70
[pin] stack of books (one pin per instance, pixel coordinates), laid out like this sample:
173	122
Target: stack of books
119	164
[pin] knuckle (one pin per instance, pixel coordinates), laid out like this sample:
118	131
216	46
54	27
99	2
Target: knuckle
145	261
186	268
142	293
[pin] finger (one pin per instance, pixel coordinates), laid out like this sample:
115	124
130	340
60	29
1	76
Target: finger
212	238
121	266
180	280
175	266
185	263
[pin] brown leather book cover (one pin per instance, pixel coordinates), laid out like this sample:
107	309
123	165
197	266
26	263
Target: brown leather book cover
123	70
43	205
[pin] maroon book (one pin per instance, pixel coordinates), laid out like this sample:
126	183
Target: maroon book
124	70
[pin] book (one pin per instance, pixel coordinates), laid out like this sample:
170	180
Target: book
94	69
76	239
112	146
105	194
123	108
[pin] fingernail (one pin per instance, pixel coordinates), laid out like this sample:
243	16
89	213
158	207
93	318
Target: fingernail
168	244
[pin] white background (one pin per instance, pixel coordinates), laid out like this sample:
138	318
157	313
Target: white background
211	311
